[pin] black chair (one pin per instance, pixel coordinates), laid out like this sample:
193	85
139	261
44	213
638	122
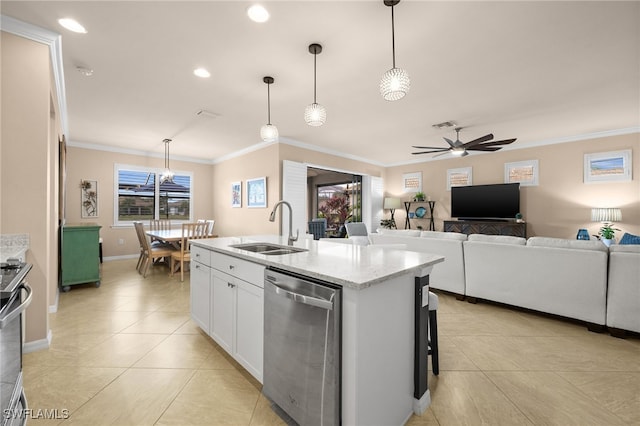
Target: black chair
318	229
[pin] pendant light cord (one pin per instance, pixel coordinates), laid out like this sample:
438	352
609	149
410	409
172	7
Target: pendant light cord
393	38
314	77
268	104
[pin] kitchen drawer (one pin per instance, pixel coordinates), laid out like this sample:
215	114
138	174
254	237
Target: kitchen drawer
243	269
201	255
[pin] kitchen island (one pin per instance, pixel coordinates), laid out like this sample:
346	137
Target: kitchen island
379	315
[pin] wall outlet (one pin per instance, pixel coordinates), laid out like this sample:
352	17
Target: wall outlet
121	241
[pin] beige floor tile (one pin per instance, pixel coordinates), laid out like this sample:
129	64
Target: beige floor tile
470	398
178	351
561	402
190	327
120	350
158	322
619	392
426	419
213	397
451	357
264	415
137	397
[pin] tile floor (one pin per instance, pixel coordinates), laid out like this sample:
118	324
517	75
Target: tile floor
127	354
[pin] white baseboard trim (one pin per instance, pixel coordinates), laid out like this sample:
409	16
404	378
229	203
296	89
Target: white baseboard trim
38	345
124	256
54	308
421	405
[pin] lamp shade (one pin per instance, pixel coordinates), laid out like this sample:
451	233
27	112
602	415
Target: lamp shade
391	203
315	114
394	84
269	133
607	214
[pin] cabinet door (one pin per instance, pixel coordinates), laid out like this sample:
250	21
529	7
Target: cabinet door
222	309
200	295
249	327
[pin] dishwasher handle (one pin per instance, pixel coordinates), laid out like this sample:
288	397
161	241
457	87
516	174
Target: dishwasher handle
301	298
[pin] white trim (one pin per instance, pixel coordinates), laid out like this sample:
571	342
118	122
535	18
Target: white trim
54	308
54	41
38	345
141	153
121	257
242	152
316	148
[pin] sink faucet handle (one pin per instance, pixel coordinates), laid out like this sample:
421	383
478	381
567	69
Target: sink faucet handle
292	238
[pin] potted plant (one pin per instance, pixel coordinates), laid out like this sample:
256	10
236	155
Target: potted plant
388	224
607	233
419	196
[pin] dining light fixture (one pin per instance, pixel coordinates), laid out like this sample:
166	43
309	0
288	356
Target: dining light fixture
315	114
269	132
395	83
167	175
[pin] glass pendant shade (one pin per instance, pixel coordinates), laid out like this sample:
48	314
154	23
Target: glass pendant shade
166	176
315	114
269	133
394	84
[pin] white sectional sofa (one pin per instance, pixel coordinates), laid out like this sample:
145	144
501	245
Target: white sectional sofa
552	275
623	300
449	275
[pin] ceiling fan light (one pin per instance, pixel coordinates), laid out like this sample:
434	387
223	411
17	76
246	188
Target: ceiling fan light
315	114
395	84
458	152
269	133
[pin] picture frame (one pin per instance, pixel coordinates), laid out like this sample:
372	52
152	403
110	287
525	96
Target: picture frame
459	177
88	198
523	172
236	194
612	166
412	182
257	192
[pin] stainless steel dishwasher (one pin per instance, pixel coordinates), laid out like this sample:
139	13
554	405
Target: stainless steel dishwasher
302	347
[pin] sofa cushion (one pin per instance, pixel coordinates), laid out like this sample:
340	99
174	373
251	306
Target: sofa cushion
399	232
630	239
564	243
444	235
500	239
629	248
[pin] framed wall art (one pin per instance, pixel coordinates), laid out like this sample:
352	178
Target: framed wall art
613	166
523	172
412	182
257	192
236	194
459	177
89	198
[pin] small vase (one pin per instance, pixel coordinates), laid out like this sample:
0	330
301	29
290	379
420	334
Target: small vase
583	234
607	242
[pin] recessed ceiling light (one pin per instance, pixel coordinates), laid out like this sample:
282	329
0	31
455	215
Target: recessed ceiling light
201	72
258	13
87	72
72	25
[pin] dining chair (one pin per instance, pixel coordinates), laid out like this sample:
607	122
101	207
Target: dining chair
318	228
190	231
150	252
210	224
137	226
159	225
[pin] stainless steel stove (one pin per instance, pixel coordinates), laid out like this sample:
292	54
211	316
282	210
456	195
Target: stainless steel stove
15	296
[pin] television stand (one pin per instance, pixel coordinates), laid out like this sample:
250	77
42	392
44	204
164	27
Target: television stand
514	229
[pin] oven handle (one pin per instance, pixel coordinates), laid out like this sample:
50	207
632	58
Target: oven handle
25	406
19	309
302	298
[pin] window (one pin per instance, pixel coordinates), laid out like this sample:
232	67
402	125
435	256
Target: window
140	197
340	202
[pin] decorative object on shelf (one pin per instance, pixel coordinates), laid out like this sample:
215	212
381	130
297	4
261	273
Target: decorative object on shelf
412	182
395	83
614	166
419	196
412	215
89	198
460	149
519	218
583	234
607	216
459	177
167	175
236	194
315	114
269	132
257	192
392	204
420	212
523	172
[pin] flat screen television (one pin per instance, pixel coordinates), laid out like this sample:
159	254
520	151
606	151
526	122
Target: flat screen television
492	202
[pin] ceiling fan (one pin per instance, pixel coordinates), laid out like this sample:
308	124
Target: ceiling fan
459	149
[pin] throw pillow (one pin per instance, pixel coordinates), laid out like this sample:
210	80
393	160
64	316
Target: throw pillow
630	239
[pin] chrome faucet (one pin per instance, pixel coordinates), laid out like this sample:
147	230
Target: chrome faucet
272	218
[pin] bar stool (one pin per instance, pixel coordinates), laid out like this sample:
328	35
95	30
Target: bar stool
433	333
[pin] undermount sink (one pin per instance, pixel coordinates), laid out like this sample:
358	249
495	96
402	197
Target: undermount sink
268	248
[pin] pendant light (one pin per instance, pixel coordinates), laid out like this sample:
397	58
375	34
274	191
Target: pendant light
315	114
269	132
167	175
395	83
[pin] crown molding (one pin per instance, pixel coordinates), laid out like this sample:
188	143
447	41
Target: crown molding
54	41
119	150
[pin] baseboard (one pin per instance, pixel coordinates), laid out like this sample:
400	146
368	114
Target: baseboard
124	256
38	345
54	308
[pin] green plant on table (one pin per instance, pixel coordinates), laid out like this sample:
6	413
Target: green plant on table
607	231
419	196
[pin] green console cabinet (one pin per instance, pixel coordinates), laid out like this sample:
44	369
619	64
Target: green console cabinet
80	254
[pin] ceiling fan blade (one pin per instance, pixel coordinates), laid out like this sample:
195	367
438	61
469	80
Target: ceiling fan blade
485	148
431	152
440	155
502	142
450	142
428	147
478	141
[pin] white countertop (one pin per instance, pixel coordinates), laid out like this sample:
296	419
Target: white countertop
343	264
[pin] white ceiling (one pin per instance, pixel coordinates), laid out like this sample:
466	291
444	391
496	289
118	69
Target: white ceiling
538	71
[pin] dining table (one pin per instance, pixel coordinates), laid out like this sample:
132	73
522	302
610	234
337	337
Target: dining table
171	236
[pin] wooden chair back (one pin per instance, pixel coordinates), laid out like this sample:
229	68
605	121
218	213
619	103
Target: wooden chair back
159	224
192	231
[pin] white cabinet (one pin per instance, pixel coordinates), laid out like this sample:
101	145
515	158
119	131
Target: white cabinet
249	327
200	288
222	307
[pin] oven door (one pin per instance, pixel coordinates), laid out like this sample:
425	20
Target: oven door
11	352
